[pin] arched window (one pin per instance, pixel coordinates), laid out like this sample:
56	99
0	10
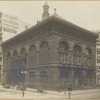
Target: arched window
8	64
15	54
32	55
88	57
43	77
77	50
9	55
77	55
23	52
15	61
44	53
88	51
31	77
63	51
23	57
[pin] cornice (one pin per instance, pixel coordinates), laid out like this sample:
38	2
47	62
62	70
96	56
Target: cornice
52	19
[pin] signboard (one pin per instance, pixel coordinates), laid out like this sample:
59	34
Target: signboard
10	23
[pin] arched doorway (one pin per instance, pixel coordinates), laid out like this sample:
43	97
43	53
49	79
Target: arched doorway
78	78
64	78
32	79
43	79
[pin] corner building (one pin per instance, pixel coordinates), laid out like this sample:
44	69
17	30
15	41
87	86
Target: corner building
54	52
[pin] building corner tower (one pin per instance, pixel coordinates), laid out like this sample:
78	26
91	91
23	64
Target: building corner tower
45	11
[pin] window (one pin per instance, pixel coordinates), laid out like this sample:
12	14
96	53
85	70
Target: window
77	54
63	50
44	53
31	77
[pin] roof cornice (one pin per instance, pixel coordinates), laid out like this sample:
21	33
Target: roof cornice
53	17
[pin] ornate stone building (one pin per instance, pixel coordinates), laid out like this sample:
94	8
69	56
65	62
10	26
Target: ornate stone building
54	52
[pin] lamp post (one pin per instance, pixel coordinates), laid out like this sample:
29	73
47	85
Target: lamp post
23	87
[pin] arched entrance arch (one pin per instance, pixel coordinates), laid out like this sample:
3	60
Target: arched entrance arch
31	79
64	78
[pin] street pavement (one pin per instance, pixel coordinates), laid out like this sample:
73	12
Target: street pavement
31	94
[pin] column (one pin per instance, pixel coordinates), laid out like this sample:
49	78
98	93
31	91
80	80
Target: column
93	77
72	76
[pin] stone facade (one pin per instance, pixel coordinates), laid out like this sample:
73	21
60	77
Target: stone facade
98	59
54	53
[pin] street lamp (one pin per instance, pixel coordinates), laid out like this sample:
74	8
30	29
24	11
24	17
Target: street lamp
23	87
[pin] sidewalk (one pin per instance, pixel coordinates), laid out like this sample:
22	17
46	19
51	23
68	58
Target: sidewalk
74	92
32	93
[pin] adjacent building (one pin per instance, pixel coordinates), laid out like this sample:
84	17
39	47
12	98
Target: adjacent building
98	58
10	26
53	53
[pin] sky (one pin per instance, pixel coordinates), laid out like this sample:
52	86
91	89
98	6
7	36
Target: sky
82	13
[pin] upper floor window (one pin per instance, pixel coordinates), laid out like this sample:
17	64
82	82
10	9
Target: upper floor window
77	50
88	51
63	52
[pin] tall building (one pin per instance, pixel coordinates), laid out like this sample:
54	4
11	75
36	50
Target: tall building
9	26
53	53
98	59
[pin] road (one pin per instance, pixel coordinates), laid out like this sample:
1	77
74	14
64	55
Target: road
90	94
